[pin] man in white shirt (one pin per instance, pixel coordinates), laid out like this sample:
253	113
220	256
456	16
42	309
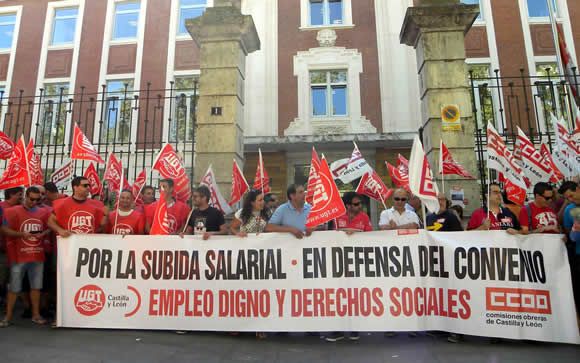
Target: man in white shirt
398	217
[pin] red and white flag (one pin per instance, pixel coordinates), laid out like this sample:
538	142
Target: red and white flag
312	176
568	64
356	168
400	174
338	167
239	184
557	175
93	178
6	146
36	174
17	171
161	224
372	186
113	173
421	181
535	167
448	166
63	174
170	166
82	148
217	200
261	180
515	193
327	203
500	158
138	185
564	153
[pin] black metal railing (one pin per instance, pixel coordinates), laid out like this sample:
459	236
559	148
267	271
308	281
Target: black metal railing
133	124
524	101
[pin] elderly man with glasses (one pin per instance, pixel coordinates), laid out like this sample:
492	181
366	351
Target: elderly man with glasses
537	216
399	217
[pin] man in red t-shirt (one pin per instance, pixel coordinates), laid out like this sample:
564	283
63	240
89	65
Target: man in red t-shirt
542	217
177	212
78	213
497	218
354	220
12	198
126	220
26	228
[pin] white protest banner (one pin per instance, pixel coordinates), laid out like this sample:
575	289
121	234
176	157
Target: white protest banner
478	283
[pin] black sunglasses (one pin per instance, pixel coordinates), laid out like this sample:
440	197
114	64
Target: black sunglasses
397	199
548	198
35	199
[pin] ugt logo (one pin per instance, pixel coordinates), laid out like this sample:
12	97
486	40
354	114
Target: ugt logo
90	300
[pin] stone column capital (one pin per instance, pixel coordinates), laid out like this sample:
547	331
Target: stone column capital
433	15
224	23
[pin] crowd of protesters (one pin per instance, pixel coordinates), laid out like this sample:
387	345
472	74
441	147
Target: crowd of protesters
32	218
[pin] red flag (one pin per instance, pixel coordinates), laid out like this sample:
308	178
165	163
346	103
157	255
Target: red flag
262	180
82	149
17	170
515	193
312	176
169	165
327	204
372	186
568	64
113	173
36	175
6	146
161	224
400	174
557	175
138	185
93	178
239	184
449	166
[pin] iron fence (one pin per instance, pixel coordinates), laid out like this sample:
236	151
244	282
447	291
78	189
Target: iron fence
524	101
133	124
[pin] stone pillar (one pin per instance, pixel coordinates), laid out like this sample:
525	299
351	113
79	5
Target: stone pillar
225	37
436	29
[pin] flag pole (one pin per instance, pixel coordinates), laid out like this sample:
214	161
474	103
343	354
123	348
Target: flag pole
441	165
424	215
261	161
118	197
552	14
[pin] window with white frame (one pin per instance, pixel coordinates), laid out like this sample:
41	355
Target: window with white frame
54	113
540	8
118	111
64	26
7	24
189	9
484	94
326	12
550	92
328	93
475	2
182	127
126	20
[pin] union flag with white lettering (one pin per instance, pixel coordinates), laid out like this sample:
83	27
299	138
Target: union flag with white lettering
327	203
82	149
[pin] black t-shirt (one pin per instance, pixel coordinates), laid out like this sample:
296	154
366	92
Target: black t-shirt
208	220
444	222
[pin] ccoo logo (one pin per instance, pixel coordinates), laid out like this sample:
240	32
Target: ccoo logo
89	300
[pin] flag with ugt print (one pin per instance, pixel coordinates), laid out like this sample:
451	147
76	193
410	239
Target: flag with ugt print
82	149
113	173
312	176
327	203
170	166
400	174
36	174
17	171
239	184
92	176
161	224
138	185
262	180
448	166
372	186
421	181
6	146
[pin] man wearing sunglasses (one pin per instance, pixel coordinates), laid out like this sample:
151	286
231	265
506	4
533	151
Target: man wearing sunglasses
26	228
537	216
77	213
399	217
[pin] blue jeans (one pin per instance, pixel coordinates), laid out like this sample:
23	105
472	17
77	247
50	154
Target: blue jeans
35	272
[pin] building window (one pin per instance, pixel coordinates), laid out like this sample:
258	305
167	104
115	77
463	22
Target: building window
326	12
118	112
540	9
64	26
126	20
483	94
7	23
189	9
182	127
551	94
53	114
328	91
475	2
